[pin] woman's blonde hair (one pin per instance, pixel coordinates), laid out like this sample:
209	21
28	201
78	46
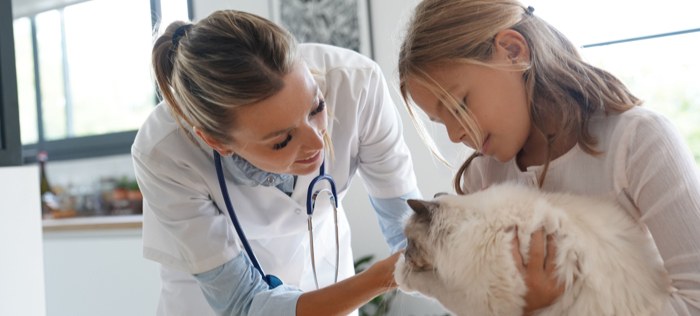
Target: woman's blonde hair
230	59
561	88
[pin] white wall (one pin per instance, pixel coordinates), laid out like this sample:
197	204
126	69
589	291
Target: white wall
21	257
99	272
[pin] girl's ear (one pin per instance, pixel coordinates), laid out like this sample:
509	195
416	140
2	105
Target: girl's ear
214	143
511	47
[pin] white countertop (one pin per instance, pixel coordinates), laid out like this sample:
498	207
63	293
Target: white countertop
93	223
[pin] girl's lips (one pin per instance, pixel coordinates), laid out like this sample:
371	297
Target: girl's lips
311	159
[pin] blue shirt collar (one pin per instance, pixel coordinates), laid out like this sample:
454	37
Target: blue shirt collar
245	173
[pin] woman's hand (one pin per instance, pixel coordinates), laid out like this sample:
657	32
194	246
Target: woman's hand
383	270
351	293
543	287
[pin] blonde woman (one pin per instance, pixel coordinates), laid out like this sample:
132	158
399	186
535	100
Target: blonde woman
510	86
248	120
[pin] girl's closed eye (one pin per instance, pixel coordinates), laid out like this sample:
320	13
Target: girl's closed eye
283	143
321	106
463	104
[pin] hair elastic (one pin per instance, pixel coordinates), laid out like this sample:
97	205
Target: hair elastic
529	10
179	33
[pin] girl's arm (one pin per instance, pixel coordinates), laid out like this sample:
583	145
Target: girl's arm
662	181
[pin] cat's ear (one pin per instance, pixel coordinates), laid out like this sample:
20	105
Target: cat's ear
423	208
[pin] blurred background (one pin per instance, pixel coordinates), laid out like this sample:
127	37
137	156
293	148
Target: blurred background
84	86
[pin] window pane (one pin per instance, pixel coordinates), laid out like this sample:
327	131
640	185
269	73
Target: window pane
595	21
26	89
53	100
172	10
108	48
663	73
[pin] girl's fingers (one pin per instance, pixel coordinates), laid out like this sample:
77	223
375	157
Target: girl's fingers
515	249
537	251
550	262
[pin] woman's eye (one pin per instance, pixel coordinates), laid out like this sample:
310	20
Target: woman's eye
321	106
283	143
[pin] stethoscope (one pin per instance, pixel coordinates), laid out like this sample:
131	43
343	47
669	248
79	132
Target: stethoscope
311	196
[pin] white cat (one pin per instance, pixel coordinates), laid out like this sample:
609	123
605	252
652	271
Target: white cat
459	252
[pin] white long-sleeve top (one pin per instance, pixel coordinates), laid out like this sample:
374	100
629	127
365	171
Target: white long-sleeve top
649	170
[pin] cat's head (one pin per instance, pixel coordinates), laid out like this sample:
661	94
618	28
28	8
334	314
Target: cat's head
431	228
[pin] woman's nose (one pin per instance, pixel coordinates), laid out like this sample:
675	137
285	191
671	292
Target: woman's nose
314	137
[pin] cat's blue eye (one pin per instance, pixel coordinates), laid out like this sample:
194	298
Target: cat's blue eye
283	143
321	106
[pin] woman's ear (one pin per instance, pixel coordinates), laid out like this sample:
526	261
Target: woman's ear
213	143
511	47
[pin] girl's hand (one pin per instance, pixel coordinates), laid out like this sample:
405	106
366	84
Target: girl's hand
543	287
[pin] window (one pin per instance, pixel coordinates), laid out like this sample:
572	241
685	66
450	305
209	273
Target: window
9	142
652	48
84	75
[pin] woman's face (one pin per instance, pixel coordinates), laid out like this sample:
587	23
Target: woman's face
284	133
496	98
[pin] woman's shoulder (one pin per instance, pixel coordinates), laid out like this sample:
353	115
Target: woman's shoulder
160	132
324	58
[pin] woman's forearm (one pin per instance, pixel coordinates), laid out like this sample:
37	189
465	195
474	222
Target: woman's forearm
345	296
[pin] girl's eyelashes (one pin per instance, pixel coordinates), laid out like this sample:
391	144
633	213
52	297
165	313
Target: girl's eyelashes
283	143
321	106
463	103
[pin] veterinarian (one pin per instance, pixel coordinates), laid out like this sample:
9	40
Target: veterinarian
510	86
240	96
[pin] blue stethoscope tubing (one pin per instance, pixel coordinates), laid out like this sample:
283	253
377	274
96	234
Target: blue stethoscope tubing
271	280
310	205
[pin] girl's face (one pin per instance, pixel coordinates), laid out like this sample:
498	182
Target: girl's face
496	98
284	133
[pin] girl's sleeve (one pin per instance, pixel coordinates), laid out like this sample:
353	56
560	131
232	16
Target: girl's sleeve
663	183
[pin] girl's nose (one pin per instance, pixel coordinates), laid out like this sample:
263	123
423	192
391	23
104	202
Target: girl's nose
455	133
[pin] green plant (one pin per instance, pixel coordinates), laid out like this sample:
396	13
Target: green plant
378	306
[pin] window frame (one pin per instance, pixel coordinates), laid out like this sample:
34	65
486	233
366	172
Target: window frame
84	146
10	146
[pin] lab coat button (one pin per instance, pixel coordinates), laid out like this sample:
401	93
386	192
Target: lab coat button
298	211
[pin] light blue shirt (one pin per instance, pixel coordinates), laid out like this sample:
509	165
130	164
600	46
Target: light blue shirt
236	288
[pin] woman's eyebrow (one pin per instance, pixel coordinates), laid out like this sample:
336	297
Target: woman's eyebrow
289	129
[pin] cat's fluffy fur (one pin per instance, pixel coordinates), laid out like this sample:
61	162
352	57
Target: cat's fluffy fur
460	253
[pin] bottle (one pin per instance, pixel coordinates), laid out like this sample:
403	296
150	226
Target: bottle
47	195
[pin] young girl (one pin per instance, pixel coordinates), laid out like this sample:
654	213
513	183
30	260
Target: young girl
507	84
249	118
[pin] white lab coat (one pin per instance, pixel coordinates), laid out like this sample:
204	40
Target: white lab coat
186	227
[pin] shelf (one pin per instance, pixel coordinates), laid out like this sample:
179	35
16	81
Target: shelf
93	223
